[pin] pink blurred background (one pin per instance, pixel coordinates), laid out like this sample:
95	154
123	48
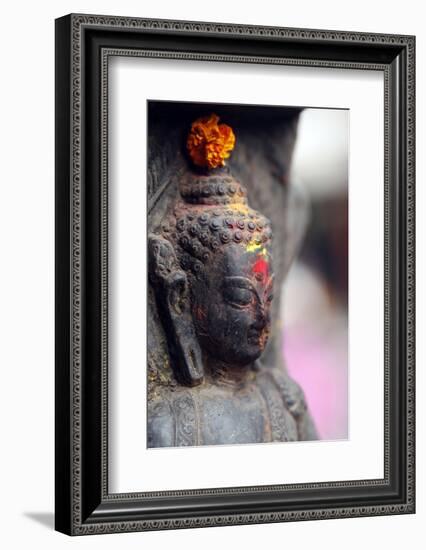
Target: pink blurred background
315	294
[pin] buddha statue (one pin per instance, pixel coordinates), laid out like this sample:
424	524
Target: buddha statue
212	272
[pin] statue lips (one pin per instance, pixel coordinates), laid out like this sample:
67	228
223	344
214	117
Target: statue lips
257	337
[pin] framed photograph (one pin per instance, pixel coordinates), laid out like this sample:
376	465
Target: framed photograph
234	274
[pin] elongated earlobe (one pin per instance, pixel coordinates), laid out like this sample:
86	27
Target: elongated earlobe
171	289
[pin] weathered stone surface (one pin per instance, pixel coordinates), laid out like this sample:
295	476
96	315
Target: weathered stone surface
220	244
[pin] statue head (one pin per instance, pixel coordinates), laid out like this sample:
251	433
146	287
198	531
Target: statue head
211	265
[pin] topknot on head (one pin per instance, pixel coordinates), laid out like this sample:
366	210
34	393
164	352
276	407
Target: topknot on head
208	189
209	144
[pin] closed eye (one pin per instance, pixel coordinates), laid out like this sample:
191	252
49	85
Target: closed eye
239	297
239	292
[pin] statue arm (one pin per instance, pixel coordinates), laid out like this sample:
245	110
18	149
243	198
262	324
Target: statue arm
306	427
295	401
161	424
299	409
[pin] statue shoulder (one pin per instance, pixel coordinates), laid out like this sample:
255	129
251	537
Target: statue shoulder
172	419
161	422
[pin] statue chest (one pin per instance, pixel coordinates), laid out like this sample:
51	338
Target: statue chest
225	416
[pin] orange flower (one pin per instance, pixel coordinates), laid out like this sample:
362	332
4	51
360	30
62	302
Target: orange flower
210	143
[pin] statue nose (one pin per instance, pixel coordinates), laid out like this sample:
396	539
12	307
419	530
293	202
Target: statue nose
261	319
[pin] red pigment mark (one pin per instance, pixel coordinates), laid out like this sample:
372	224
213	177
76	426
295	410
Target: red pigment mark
261	266
200	314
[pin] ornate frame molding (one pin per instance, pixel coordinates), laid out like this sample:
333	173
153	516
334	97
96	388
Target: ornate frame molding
83	505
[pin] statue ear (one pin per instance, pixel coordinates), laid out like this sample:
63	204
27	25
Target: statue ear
171	288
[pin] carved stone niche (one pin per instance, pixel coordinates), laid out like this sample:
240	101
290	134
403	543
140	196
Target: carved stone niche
221	241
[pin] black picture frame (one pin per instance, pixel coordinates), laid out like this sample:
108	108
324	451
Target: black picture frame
83	44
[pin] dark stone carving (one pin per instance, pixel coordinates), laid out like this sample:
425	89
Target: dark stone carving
214	267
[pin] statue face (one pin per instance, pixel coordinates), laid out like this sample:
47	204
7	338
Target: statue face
231	309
